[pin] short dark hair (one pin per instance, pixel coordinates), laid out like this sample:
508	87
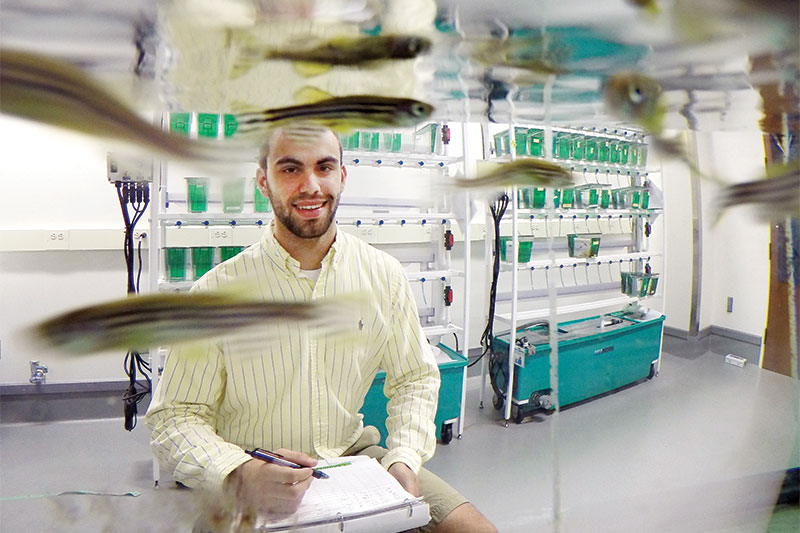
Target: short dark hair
263	152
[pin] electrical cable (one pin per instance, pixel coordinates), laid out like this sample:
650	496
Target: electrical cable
498	209
137	196
139	273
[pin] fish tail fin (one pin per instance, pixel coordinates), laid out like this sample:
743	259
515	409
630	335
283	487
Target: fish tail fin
309	69
246	57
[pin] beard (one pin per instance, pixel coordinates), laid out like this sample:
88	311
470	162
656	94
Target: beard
305	228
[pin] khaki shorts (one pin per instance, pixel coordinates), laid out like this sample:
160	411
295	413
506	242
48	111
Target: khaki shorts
441	497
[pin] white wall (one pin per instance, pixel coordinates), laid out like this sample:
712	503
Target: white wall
50	180
735	258
678	237
739	241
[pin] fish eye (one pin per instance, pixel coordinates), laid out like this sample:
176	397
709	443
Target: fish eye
419	109
635	94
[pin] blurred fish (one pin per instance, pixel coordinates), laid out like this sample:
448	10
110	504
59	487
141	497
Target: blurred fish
58	93
538	54
634	96
700	22
341	114
775	196
650	6
523	172
345	50
142	322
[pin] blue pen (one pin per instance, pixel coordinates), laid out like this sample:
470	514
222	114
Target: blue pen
278	459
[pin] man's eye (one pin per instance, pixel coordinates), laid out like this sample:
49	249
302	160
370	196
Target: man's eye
326	168
289	170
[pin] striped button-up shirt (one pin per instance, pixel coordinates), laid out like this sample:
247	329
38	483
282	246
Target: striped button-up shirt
296	389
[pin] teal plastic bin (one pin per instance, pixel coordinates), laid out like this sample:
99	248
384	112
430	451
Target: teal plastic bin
450	393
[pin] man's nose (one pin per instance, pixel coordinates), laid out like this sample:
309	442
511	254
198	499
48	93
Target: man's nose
310	183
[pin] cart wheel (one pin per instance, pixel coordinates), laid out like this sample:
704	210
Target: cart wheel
497	402
517	414
652	373
447	433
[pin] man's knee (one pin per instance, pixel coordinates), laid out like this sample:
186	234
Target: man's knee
465	518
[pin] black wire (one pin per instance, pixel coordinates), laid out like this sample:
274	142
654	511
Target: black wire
138	196
456	338
136	391
139	273
123	191
498	209
140	208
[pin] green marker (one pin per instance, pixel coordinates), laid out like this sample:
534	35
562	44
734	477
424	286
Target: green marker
332	466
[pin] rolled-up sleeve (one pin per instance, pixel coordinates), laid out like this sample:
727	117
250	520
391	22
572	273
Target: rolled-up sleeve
181	418
412	385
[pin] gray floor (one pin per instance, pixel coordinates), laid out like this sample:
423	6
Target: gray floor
702	447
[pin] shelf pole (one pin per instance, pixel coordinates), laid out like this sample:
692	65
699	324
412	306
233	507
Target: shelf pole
514	281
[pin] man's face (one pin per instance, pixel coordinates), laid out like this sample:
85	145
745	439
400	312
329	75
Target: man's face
303	180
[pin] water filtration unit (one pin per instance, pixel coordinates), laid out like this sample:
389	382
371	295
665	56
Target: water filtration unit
595	355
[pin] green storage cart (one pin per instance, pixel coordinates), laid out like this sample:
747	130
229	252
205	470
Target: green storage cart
453	370
595	355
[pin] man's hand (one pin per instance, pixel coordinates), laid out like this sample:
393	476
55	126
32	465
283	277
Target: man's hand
266	488
407	478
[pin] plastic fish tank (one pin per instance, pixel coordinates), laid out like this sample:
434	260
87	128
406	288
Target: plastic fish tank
589	196
425	138
564	198
629	197
638	284
524	246
583	244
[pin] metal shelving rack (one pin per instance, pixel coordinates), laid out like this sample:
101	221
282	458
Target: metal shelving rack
635	256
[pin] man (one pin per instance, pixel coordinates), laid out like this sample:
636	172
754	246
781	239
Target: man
298	394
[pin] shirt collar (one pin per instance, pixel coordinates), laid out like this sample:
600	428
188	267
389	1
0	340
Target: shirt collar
281	257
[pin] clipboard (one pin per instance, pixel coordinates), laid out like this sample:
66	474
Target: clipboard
359	496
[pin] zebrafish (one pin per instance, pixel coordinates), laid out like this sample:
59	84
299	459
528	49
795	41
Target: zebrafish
539	55
639	98
523	172
775	196
341	114
634	96
142	322
55	92
345	50
650	6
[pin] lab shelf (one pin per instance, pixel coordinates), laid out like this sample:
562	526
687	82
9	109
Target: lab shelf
215	219
399	159
582	213
174	286
581	261
348	217
437	331
625	240
590	167
429	275
608	303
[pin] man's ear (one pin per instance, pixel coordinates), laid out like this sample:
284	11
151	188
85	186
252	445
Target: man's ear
261	180
344	175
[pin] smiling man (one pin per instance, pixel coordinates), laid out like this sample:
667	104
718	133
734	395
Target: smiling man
298	394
